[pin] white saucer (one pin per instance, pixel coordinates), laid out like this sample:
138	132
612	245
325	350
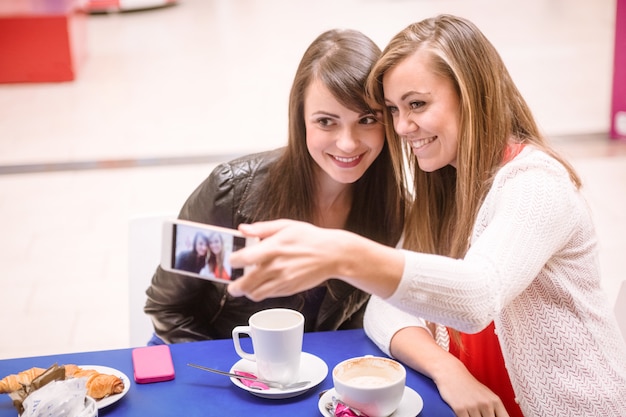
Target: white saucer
312	369
410	406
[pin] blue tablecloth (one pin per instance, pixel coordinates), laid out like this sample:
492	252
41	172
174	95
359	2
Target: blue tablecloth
198	393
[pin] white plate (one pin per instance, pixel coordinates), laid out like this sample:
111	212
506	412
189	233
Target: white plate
312	369
106	401
410	406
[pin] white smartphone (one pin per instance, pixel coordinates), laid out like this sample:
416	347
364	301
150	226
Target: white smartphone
201	250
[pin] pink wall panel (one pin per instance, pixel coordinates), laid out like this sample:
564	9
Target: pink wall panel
618	102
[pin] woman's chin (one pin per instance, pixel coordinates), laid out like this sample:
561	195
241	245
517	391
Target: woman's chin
427	165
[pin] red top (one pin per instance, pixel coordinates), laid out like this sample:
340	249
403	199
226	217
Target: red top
224	275
482	356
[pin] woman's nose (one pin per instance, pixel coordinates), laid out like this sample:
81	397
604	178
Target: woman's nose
347	140
404	124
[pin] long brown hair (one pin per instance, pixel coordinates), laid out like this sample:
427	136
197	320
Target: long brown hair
341	59
492	113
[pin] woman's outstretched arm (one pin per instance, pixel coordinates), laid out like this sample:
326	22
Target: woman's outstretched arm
294	256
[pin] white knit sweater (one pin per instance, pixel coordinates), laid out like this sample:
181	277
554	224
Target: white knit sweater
532	268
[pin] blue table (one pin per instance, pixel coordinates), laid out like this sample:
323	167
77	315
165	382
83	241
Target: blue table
197	393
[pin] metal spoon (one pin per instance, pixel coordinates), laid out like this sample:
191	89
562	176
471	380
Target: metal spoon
271	384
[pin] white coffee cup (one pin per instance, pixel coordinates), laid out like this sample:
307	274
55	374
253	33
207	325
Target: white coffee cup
370	384
277	343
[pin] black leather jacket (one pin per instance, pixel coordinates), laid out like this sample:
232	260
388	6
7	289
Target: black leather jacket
189	309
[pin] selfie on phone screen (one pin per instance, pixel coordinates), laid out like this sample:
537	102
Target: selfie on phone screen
204	252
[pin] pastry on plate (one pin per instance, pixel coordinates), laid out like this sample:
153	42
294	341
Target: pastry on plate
98	385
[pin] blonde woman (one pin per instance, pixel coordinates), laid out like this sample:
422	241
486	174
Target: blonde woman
498	235
216	259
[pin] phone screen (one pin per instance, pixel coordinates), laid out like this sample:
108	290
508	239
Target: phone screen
204	252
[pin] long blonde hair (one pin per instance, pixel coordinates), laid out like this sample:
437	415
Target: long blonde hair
215	261
492	113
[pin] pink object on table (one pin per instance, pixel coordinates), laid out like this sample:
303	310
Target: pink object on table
249	383
342	410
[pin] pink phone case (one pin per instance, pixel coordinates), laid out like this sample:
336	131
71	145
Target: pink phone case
153	364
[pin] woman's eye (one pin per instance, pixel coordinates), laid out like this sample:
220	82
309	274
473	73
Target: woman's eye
392	109
369	120
324	121
416	104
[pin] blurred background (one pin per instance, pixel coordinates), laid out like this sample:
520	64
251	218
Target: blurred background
162	95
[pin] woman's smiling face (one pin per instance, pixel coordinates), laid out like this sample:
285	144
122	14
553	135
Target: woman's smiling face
425	109
215	244
342	142
201	246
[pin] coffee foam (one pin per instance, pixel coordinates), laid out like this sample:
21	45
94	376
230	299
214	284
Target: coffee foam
368	381
369	372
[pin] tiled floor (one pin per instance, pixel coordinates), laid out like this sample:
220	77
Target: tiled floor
208	79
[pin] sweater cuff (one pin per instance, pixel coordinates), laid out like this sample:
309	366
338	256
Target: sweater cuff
382	321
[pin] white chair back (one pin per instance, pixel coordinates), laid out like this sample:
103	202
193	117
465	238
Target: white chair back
144	254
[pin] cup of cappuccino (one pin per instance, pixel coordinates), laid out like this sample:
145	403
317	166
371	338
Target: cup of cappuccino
371	384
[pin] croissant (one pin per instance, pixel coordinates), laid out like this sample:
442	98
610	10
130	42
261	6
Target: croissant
75	372
98	385
16	381
101	385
